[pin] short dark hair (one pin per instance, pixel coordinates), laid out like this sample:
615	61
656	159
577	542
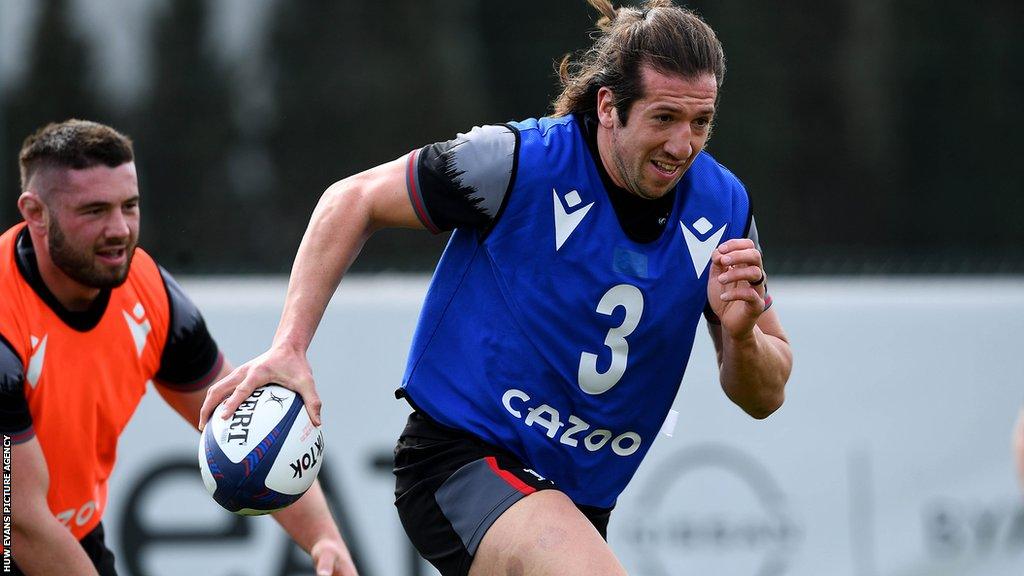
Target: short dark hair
667	37
76	144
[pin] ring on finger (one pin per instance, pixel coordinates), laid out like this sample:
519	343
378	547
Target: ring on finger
760	280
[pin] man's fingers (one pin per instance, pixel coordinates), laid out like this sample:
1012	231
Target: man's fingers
748	257
332	559
749	274
313	405
325	564
206	410
744	294
735	244
241	392
214	394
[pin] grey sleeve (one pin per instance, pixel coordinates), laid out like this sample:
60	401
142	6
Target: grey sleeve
463	182
752	233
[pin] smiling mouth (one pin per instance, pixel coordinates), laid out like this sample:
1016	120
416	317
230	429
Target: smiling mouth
112	254
665	168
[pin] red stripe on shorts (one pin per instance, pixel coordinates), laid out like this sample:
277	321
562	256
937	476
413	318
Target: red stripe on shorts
509	477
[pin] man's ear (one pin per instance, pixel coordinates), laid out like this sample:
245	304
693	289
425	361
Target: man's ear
606	114
34	211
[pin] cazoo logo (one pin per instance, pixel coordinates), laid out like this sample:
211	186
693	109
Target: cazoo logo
711	509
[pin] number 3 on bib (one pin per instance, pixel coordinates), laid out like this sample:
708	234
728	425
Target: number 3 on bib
630	298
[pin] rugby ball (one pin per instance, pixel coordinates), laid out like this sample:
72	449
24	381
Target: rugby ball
265	456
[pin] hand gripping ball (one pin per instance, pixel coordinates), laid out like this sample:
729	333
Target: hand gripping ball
265	456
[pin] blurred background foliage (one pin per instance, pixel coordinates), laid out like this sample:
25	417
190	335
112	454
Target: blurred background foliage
874	136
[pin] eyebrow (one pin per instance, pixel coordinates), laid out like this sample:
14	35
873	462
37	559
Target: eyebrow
101	204
663	108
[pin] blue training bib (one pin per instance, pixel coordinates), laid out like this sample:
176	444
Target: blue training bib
557	337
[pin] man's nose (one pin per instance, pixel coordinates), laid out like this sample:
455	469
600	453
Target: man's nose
117	225
680	144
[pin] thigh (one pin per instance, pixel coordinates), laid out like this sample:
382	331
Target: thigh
544	534
450	488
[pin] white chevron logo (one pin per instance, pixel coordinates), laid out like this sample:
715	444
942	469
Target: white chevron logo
700	251
35	361
566	222
139	326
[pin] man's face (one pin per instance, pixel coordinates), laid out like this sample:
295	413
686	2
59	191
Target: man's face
94	223
666	130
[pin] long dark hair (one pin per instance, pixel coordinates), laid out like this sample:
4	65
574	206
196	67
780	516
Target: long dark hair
660	34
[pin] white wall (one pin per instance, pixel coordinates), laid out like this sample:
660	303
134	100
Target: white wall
889	458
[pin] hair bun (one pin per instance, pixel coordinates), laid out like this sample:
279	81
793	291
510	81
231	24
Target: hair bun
608	13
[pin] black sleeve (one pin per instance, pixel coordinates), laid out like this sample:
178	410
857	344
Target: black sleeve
190	358
463	182
15	419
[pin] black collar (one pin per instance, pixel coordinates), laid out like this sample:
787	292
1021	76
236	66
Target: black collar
25	256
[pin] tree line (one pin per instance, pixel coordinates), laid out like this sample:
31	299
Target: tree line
873	137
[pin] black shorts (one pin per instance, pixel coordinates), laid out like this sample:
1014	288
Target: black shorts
451	487
101	556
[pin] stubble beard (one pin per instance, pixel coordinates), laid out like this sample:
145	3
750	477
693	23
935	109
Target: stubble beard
631	178
80	266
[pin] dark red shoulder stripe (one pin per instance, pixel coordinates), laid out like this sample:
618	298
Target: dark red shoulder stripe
23	436
415	196
199	383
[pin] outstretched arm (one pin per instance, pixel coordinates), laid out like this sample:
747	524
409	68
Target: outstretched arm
347	214
754	357
310	524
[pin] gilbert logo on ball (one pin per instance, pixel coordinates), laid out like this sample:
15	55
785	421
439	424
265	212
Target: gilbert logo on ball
265	456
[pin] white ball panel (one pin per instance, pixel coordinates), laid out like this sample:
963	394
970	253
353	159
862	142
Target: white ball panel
251	422
299	461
